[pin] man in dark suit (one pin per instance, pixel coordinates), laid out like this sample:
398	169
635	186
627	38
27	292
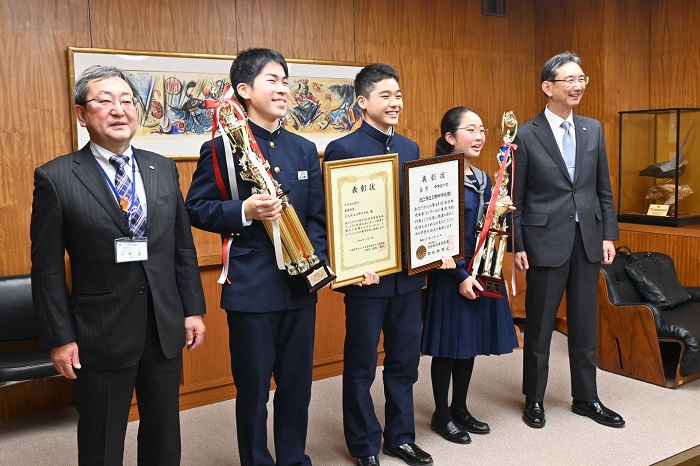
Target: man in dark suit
564	226
271	331
136	295
391	305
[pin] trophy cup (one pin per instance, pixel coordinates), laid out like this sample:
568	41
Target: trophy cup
306	272
492	237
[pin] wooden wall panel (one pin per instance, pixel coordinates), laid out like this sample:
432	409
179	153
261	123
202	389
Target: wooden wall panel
416	38
204	26
35	108
308	29
591	30
493	70
675	54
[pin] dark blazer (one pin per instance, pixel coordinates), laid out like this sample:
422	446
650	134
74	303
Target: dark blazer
368	141
105	311
546	200
295	165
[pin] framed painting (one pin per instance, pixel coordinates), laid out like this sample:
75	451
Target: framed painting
172	116
363	217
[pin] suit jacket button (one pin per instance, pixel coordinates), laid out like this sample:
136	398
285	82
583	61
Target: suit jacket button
141	290
571	215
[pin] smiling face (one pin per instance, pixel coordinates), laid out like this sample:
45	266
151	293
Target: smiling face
468	137
113	127
562	96
383	105
266	100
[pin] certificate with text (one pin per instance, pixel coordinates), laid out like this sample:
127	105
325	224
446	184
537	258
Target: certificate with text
363	217
434	211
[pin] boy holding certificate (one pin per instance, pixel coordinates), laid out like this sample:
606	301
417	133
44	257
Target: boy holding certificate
391	305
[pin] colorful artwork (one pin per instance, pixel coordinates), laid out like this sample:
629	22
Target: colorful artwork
173	119
322	105
173	103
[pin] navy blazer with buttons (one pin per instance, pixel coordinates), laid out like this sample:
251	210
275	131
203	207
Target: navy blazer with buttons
256	284
367	141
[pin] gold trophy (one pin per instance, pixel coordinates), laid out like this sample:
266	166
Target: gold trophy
306	272
486	267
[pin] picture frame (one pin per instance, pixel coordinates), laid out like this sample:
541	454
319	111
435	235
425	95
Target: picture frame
363	217
434	197
173	120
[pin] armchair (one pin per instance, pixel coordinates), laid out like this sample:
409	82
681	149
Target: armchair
639	340
18	361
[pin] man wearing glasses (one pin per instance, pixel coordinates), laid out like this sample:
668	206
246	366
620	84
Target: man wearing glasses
136	297
564	226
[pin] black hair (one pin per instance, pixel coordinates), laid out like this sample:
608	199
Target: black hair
249	63
449	124
370	75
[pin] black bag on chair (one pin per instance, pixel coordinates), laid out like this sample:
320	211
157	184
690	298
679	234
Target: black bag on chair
653	279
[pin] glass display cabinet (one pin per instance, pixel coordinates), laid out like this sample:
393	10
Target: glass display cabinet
659	167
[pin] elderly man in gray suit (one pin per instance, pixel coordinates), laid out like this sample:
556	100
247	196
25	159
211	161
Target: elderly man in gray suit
136	297
564	225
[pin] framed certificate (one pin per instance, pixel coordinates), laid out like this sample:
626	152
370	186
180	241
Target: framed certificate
363	217
434	211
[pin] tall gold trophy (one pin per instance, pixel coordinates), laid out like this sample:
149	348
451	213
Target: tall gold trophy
490	250
306	272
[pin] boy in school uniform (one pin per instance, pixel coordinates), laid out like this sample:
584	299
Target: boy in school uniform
391	305
271	331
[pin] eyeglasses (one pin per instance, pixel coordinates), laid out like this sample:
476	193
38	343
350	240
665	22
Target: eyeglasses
570	81
127	102
471	129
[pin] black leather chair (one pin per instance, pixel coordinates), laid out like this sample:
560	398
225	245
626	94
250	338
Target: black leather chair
18	324
639	340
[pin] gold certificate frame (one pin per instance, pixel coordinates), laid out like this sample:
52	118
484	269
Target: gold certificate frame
434	211
363	217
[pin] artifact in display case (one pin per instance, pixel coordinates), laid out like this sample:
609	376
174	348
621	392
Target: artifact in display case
659	167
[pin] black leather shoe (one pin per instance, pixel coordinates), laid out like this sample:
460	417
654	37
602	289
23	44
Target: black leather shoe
534	414
368	461
599	413
410	453
469	423
450	432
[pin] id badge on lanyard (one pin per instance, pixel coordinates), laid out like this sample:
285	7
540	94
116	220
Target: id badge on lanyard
130	250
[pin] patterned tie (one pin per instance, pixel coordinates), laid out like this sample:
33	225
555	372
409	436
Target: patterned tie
137	219
568	149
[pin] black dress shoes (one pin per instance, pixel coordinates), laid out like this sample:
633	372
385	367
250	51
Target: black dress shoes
469	423
410	453
599	413
534	414
368	461
450	432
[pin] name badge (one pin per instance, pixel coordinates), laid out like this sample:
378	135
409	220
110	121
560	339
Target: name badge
303	175
130	249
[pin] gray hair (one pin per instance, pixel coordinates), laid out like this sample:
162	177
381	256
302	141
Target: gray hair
549	69
98	73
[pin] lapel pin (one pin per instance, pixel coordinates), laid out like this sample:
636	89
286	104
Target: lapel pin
153	168
584	128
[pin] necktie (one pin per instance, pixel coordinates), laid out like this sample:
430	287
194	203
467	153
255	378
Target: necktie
125	188
568	149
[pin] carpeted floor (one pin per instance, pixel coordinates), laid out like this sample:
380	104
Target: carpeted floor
660	423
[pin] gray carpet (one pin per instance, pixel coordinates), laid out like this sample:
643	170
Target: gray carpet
660	424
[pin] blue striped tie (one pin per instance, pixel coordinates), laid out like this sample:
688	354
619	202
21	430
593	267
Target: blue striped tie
137	219
568	149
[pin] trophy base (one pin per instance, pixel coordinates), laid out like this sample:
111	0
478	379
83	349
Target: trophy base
492	286
312	280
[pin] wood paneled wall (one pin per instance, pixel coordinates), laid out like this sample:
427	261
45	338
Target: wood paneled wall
639	55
